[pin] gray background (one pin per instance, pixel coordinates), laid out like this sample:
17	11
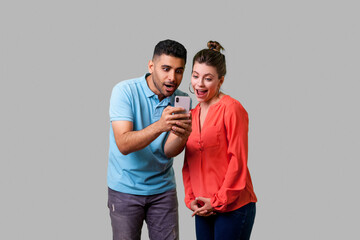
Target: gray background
294	65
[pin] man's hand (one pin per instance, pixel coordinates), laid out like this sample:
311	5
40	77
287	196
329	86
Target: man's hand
174	119
183	127
180	127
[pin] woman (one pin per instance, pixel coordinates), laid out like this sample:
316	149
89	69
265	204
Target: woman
218	187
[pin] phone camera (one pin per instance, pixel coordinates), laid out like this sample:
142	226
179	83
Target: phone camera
177	99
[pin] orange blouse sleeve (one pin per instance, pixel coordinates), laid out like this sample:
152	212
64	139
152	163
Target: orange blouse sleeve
236	123
189	195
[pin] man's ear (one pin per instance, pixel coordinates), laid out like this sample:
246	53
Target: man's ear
151	66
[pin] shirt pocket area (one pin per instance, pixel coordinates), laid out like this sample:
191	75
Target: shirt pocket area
211	137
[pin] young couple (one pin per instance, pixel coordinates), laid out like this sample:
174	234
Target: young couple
145	135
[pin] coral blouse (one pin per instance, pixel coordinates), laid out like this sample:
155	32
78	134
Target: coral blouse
215	164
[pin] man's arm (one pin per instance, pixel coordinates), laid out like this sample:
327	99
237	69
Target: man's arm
129	141
178	138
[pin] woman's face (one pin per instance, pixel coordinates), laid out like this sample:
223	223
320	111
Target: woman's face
205	82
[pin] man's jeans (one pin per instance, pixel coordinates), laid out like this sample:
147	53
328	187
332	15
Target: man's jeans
128	212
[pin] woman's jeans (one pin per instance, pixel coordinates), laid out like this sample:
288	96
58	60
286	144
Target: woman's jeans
234	225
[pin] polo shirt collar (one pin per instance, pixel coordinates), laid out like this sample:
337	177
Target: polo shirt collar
146	88
165	102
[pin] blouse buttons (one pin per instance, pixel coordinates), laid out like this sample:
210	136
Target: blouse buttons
201	148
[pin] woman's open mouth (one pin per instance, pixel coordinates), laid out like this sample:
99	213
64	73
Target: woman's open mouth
201	93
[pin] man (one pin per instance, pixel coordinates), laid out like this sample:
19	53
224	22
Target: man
145	133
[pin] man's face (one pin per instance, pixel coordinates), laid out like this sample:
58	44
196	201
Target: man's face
166	75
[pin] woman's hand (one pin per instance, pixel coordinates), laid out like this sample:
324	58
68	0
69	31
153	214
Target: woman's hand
202	207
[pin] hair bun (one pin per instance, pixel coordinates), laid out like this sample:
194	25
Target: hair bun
214	45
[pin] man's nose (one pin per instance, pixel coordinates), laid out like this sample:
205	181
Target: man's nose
171	76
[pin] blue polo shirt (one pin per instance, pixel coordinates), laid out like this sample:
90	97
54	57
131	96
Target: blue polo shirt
147	171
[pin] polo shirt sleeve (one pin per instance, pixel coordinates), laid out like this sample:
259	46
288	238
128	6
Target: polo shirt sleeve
236	124
121	103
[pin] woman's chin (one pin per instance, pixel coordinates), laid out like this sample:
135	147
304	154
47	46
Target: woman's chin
200	99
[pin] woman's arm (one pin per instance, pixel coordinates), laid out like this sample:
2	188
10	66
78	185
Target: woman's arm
236	123
189	195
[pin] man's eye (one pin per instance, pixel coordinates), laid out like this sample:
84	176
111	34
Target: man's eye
179	71
166	69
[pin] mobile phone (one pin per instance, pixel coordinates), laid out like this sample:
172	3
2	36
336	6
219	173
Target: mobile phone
184	102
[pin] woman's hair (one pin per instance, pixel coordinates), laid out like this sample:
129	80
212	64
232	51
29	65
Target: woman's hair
212	57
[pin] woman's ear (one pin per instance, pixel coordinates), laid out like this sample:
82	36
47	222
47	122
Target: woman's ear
221	80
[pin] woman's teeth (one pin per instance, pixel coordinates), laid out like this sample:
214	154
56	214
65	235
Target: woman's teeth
201	92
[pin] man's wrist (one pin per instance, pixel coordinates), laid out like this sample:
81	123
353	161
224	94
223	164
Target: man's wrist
157	127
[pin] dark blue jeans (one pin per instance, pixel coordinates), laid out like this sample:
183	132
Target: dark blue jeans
235	225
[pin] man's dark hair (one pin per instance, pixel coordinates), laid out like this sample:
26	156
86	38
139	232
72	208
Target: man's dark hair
171	48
